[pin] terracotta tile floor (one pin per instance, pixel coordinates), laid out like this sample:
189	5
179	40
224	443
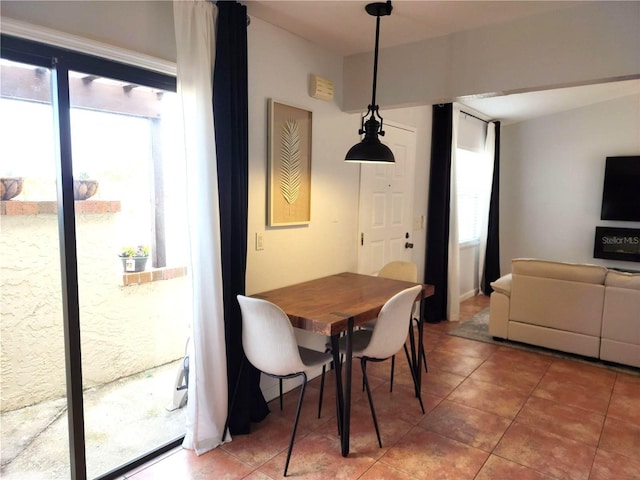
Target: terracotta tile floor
492	412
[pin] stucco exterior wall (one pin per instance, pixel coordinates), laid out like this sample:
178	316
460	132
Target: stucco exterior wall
124	329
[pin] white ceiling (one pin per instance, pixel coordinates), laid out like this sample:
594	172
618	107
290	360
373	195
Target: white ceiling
345	28
525	106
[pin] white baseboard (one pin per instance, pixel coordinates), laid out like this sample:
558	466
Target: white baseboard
468	295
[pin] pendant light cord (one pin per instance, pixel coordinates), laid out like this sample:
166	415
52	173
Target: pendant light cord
375	63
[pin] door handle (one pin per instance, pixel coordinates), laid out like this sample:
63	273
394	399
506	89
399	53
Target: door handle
408	245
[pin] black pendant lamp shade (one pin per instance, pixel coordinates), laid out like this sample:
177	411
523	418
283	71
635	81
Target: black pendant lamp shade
371	149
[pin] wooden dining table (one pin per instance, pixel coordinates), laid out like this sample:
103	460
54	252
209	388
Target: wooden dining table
335	305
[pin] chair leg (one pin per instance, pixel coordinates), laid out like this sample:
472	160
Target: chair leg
321	391
415	380
363	382
233	399
280	381
393	367
363	363
421	346
324	370
424	358
295	423
322	378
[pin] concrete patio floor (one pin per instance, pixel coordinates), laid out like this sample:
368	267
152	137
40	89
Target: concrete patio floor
123	420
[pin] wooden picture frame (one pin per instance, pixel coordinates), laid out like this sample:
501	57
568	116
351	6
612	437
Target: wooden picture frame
289	181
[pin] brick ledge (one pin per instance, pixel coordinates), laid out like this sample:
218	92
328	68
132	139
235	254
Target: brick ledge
19	207
155	275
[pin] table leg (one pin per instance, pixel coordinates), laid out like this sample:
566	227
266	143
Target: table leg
420	348
337	370
414	356
347	389
416	352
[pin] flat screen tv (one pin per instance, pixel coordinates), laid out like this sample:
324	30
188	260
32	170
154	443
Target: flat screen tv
621	192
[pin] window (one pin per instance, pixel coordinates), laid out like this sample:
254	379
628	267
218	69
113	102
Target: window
473	182
471	178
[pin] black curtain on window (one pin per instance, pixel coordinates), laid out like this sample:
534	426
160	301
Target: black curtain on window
230	112
492	257
437	255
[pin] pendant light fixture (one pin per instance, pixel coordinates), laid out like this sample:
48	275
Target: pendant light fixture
371	149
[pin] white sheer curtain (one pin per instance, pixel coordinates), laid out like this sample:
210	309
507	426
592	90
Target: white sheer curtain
207	394
453	269
489	158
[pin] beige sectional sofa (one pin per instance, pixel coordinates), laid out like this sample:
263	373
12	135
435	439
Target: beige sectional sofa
583	309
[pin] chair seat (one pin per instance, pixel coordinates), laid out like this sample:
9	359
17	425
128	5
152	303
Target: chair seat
313	358
359	340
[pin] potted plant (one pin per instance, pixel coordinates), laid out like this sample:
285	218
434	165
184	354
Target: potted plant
84	187
10	186
134	259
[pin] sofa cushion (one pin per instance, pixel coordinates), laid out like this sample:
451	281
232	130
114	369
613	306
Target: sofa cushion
560	304
566	341
572	272
621	315
503	285
623	280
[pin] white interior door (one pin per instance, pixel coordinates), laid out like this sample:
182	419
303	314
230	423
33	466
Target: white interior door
386	203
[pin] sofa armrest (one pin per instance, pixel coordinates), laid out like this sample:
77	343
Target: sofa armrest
503	285
499	315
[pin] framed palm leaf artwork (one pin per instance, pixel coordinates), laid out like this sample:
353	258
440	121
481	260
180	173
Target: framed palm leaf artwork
289	184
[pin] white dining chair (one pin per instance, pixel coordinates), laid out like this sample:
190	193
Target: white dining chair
385	339
408	272
270	345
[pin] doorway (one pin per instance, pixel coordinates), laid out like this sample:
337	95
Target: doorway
90	140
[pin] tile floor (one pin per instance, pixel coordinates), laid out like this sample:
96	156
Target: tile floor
492	412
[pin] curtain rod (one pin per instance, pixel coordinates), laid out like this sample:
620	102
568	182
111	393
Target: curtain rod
477	118
470	114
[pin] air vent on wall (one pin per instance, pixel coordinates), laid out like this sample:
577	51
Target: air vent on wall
321	88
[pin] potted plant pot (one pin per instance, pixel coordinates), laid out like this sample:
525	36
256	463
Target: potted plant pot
10	187
134	259
83	189
134	264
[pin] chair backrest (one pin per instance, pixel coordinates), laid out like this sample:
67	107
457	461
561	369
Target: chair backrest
392	325
268	339
397	270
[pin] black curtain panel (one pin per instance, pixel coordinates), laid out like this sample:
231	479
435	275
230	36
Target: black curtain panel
492	257
230	112
437	256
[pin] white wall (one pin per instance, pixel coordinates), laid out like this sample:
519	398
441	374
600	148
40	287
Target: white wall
279	67
552	170
141	26
584	44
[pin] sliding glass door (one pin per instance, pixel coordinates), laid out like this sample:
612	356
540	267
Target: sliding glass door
31	314
103	184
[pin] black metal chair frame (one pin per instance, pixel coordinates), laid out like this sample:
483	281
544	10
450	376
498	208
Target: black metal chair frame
298	409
